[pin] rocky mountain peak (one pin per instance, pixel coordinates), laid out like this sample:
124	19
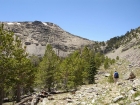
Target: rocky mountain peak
36	35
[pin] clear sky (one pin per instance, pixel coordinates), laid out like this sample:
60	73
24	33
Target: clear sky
97	20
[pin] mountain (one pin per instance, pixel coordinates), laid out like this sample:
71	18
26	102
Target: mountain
36	35
126	47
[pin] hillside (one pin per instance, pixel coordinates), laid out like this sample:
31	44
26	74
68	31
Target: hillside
103	92
35	35
125	47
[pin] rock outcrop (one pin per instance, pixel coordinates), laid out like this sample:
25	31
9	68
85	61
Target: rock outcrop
36	35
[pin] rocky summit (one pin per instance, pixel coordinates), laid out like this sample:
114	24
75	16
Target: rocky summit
36	35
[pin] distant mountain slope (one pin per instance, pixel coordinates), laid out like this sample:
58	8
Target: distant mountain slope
35	35
126	47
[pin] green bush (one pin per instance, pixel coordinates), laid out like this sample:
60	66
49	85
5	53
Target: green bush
110	78
137	94
117	58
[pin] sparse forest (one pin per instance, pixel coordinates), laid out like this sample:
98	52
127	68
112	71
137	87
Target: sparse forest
118	41
21	73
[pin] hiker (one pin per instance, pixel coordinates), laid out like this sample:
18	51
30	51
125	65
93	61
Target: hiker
116	76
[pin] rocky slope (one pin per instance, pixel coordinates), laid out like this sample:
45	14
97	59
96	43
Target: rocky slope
129	48
132	55
35	35
103	92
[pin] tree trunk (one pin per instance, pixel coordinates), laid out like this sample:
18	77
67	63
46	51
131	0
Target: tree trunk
18	93
1	95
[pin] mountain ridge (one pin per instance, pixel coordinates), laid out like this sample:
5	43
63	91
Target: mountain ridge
36	35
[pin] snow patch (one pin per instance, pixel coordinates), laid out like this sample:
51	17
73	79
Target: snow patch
18	23
10	23
45	23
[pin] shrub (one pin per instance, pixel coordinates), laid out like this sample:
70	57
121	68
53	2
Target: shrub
137	94
117	58
110	78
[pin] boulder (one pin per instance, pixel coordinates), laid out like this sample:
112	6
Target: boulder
133	103
131	76
45	101
107	74
27	43
118	98
136	82
137	98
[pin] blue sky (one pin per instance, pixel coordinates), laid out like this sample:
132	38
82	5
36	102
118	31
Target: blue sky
97	20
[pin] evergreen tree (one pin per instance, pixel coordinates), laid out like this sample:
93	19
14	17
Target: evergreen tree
92	70
117	58
90	66
48	69
22	68
6	47
98	58
78	69
14	65
106	63
72	71
94	63
35	60
78	65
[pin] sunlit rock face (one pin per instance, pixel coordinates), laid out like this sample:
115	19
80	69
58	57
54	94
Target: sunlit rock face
36	35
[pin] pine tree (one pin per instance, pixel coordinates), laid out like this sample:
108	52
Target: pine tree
48	69
14	64
78	67
6	47
92	71
106	63
94	63
22	68
90	65
72	70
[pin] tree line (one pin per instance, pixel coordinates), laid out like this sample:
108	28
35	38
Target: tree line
116	42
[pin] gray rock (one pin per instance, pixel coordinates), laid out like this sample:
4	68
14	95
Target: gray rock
93	101
136	82
119	83
27	43
107	74
69	100
137	98
83	103
90	90
131	76
132	92
45	101
134	103
114	104
118	98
